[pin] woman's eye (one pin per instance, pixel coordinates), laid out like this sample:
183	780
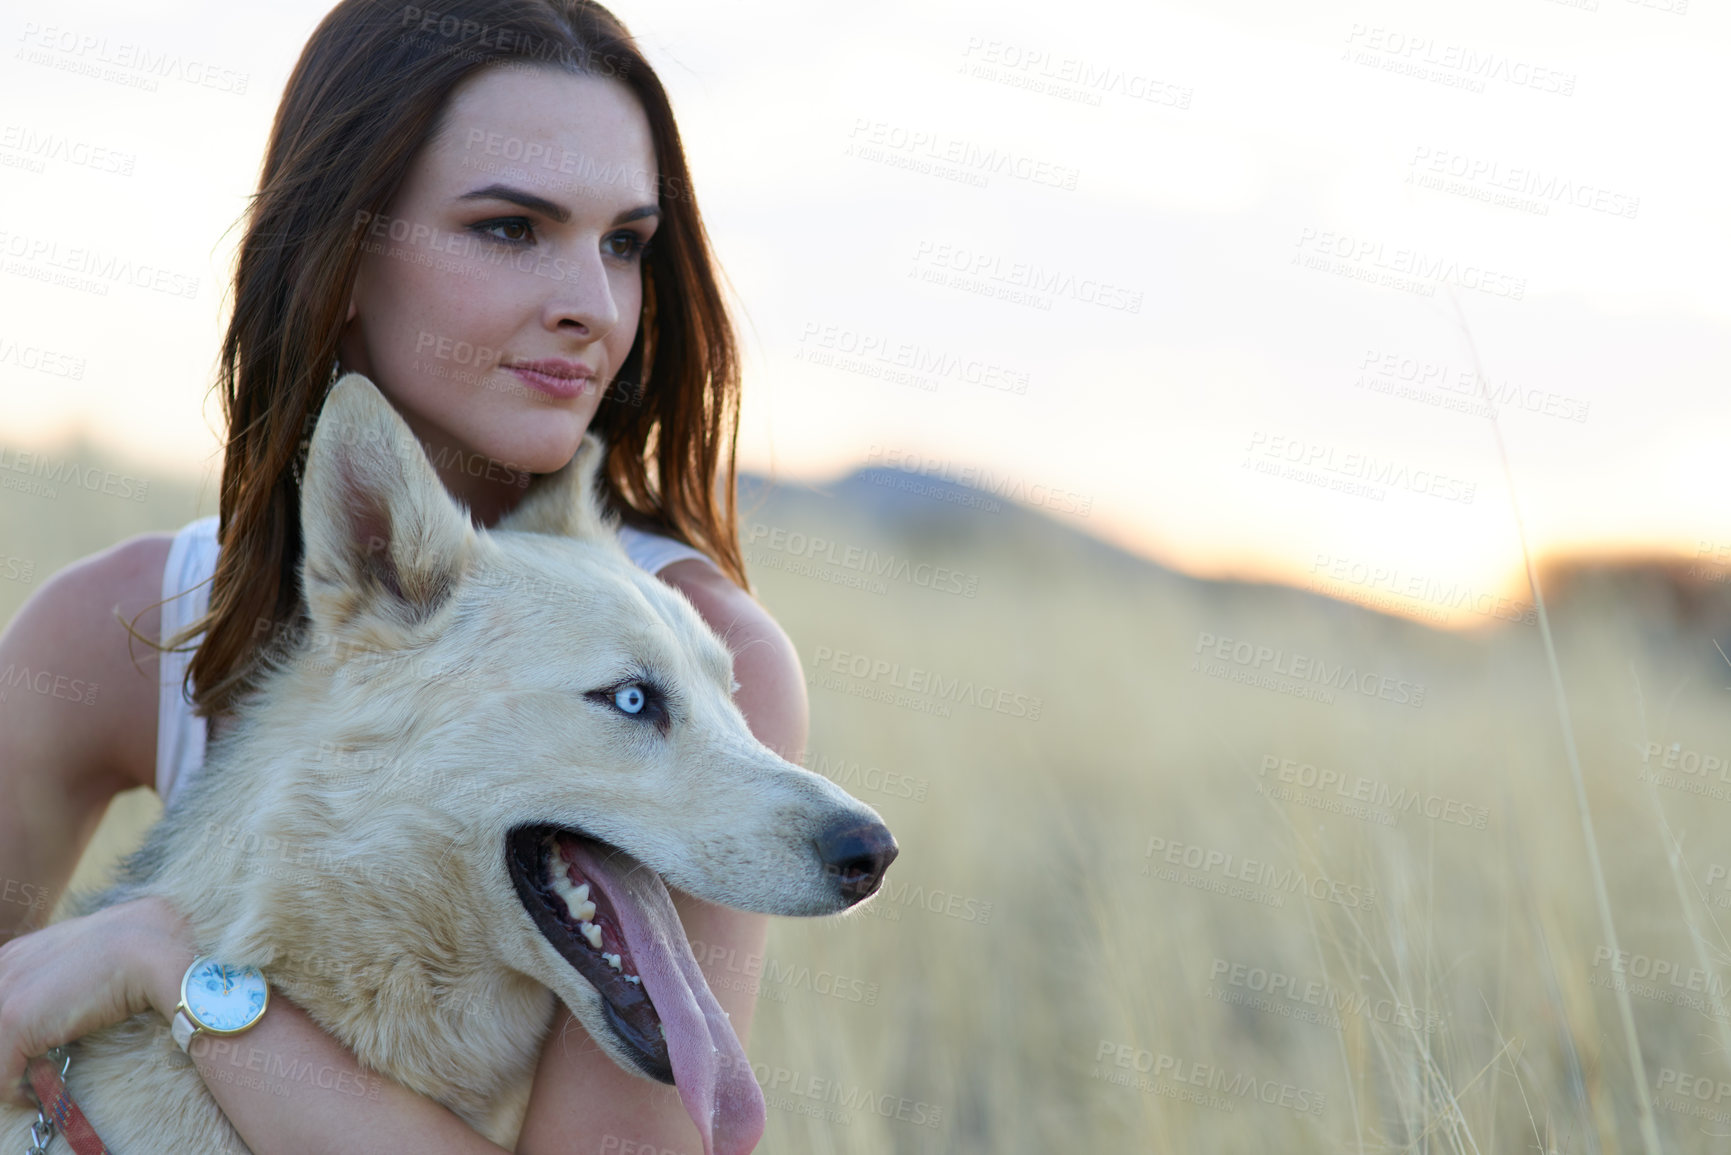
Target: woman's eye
634	246
631	698
516	229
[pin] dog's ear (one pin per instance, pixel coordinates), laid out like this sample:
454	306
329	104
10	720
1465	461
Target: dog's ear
567	501
382	535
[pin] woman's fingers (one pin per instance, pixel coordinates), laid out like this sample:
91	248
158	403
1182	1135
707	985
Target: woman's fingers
73	977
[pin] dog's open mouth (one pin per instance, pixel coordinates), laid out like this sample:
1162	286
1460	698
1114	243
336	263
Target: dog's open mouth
579	919
612	919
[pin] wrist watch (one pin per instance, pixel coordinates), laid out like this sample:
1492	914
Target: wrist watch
218	999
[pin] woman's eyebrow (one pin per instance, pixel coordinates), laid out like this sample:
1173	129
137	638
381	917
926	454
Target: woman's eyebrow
546	207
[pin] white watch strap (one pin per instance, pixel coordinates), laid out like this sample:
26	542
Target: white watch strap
182	1030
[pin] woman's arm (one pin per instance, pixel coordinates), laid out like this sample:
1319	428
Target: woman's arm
77	718
582	1102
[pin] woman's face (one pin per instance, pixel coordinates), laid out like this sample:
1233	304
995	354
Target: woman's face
508	265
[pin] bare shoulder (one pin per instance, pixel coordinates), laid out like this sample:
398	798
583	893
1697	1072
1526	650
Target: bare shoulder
765	664
81	694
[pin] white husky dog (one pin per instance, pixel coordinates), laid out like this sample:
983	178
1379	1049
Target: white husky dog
457	800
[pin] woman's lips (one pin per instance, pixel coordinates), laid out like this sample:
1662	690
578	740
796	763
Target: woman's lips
555	381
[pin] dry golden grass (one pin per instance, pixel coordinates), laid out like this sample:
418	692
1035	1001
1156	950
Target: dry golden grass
1476	1009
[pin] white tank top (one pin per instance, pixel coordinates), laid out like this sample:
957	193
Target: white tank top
180	734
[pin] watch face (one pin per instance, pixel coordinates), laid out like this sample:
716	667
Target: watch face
224	998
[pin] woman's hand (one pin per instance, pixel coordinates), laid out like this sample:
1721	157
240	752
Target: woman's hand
74	977
70	978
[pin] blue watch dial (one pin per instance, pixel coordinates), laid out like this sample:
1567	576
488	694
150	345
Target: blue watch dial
224	998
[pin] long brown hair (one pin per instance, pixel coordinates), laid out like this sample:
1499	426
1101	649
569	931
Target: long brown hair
370	88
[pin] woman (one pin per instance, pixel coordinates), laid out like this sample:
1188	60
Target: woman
459	205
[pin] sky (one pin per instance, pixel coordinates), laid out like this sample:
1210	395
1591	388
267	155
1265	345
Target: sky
1253	289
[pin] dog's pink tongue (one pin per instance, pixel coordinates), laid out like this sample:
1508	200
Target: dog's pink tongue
709	1066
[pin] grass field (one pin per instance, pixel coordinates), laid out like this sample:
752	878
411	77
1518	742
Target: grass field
1208	867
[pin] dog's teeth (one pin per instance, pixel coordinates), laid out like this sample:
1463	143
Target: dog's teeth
583	911
581	893
593	934
632	979
614	961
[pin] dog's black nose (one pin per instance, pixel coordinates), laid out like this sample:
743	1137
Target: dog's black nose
857	853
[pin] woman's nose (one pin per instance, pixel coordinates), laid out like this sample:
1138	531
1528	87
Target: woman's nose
580	292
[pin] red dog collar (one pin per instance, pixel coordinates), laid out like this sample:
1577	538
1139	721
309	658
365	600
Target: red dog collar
57	1104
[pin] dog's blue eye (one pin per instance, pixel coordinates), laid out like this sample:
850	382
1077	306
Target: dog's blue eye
631	699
